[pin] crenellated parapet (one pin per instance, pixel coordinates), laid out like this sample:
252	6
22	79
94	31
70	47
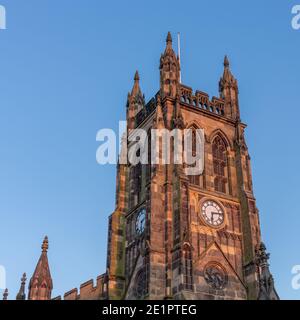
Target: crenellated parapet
201	101
198	100
87	291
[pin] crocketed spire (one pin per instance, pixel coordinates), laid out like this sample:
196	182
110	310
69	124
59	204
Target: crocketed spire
40	286
266	281
227	78
226	62
228	88
45	245
136	76
169	71
21	295
5	294
135	101
136	90
169	39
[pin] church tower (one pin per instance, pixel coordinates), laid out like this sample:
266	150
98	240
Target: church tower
179	236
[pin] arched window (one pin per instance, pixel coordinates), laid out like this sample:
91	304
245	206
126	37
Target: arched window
149	165
43	291
140	284
220	164
135	183
194	179
138	182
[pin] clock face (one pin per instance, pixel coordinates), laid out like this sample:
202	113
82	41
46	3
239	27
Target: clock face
140	222
212	213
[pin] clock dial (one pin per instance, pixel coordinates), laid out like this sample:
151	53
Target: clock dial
140	222
212	213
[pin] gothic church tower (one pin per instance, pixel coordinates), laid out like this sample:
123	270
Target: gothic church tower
174	236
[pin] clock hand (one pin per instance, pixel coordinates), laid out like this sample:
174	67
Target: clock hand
212	215
142	224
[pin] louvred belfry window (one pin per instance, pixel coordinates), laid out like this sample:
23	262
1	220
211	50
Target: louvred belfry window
187	268
194	179
219	164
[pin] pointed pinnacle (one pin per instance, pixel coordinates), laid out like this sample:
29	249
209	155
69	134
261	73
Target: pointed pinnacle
5	294
169	37
45	244
137	76
23	280
226	62
21	294
136	86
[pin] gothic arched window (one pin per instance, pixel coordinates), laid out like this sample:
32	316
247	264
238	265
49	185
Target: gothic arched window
135	184
220	164
194	179
140	284
43	291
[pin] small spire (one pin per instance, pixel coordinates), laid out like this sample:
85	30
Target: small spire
21	295
41	278
45	245
137	76
5	294
169	37
267	290
136	90
227	75
226	62
23	280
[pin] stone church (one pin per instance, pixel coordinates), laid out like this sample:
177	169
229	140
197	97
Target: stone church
174	236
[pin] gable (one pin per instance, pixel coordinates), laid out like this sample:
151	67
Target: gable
213	266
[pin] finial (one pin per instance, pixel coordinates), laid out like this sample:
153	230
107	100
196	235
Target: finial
45	244
136	76
5	294
169	37
262	256
226	62
136	86
23	280
21	294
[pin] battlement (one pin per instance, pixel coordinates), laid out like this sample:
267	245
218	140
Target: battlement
87	290
201	100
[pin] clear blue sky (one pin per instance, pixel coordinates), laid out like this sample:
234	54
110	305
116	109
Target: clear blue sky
66	67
